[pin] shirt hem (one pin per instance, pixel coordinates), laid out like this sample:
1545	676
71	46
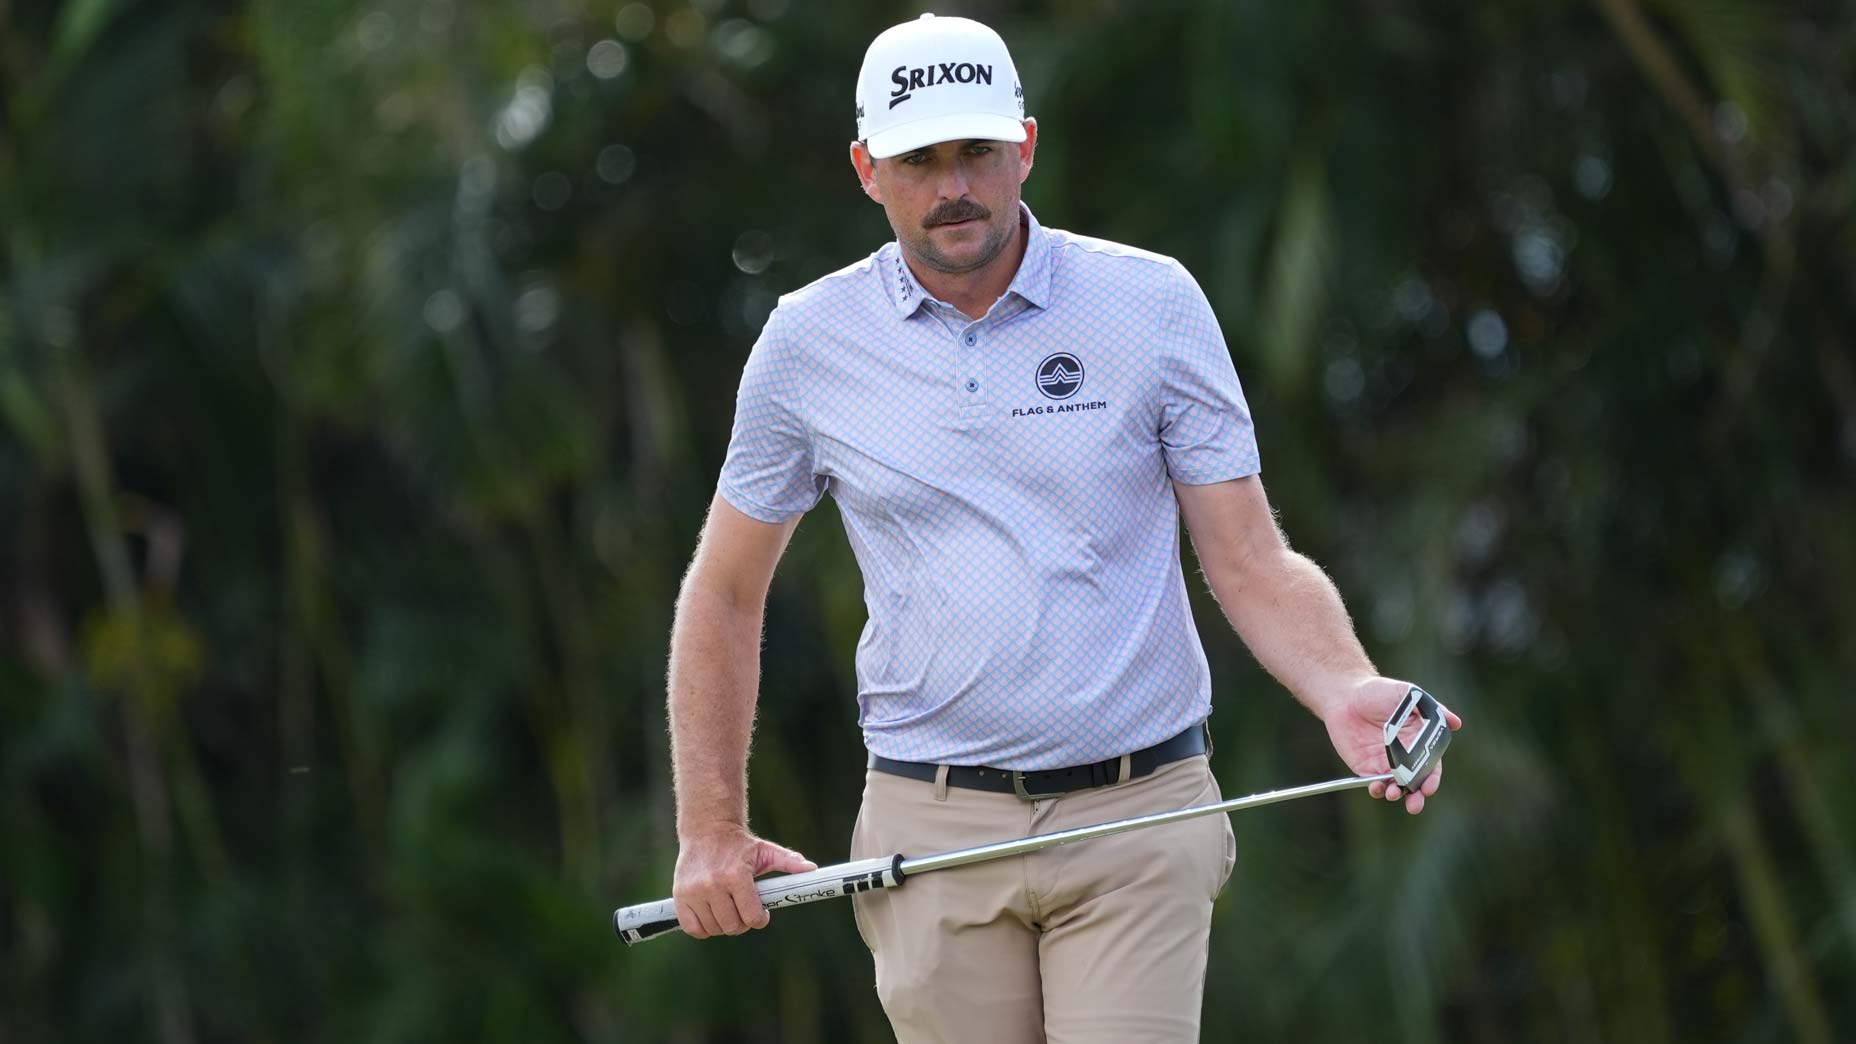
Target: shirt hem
1028	763
756	511
1207	476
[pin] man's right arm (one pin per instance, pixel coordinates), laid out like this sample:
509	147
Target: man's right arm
714	684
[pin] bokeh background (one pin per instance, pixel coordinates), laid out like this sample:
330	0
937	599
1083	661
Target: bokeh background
365	369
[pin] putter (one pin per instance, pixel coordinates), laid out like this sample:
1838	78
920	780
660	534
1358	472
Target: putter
1410	764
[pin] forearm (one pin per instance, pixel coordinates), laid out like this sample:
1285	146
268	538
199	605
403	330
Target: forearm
714	684
1290	615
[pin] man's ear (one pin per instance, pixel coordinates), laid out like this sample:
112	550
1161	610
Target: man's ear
865	166
1026	149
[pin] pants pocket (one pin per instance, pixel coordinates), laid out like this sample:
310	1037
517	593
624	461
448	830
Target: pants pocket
1230	857
1225	850
858	902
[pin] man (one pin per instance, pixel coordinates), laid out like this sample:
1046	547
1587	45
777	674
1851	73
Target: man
1012	420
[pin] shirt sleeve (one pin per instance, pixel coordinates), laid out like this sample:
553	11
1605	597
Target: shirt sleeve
1205	428
770	471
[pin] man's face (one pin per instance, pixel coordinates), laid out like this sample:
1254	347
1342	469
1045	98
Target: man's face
954	206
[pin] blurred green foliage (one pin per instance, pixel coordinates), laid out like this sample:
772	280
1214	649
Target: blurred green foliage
365	371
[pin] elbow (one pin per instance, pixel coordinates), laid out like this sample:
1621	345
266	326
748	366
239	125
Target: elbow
1244	568
708	590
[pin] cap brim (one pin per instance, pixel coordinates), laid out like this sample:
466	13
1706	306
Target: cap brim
932	130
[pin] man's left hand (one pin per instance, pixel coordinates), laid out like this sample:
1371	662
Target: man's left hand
1356	719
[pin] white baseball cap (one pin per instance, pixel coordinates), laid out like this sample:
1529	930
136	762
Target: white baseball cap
935	80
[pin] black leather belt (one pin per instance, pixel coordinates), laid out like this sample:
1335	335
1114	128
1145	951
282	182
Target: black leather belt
1049	783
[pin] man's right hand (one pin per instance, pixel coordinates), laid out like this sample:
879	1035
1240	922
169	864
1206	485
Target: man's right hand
714	887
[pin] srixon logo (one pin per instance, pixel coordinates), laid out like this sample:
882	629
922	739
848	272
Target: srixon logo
908	80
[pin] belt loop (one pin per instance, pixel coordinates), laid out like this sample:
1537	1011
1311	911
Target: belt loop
940	782
1127	769
1206	725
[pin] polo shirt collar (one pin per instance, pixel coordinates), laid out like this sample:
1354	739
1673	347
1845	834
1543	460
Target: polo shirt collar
1033	279
1031	282
905	291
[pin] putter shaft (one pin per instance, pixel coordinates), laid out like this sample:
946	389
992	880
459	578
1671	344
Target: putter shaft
636	924
1020	846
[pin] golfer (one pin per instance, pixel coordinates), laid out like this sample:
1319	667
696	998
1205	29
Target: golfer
1013	420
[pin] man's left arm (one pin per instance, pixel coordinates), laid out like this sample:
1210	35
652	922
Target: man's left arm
1291	616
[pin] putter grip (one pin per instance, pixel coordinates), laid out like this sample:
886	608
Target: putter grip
647	921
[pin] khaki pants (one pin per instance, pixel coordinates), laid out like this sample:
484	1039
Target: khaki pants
1098	941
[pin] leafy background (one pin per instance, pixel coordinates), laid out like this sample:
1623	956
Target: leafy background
365	370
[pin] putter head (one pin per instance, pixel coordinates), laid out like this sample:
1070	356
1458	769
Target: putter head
1414	762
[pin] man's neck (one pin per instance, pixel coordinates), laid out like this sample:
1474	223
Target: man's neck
974	292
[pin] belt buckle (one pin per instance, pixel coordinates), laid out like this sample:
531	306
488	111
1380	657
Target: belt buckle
1018	787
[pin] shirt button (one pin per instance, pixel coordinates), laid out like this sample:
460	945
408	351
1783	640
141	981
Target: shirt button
973	385
972	340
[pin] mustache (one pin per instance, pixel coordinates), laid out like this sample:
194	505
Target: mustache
955	210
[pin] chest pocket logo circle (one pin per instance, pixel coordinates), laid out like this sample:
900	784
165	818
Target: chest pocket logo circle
1060	375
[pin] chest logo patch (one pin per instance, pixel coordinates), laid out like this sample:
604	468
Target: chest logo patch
1060	375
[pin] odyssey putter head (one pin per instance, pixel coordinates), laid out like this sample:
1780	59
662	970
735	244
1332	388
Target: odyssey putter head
1415	762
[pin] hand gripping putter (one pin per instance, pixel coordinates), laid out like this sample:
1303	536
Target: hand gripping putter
1410	765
